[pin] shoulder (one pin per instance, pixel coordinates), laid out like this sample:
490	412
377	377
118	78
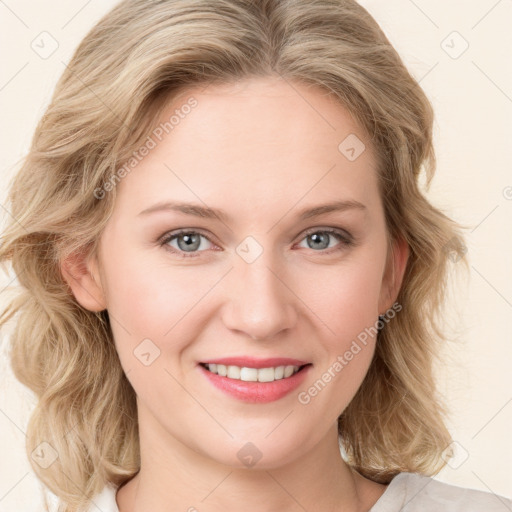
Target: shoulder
412	492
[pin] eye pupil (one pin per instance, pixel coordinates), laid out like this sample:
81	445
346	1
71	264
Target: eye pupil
191	241
321	238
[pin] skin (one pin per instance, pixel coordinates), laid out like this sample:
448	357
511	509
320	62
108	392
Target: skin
262	150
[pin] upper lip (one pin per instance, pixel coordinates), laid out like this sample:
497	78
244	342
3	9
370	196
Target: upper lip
253	362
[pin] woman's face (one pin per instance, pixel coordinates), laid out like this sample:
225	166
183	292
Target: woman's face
277	275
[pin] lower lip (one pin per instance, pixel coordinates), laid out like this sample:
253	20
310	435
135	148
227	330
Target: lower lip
256	392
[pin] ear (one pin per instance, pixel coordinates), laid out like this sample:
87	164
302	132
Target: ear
396	263
81	272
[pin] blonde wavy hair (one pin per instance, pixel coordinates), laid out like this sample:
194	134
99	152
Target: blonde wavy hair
129	66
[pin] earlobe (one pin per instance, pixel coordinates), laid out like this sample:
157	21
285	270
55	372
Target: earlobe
82	275
394	274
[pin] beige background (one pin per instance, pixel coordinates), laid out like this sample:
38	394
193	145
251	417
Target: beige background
471	90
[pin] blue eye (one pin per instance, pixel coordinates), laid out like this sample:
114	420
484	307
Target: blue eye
321	239
189	243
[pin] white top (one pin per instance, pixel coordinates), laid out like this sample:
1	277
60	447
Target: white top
407	492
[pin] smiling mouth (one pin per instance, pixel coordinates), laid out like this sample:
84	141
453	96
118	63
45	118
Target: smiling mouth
248	374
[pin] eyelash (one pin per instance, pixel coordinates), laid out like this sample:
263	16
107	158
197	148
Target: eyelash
344	237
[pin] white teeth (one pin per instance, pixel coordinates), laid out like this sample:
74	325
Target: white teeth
248	374
266	374
233	372
253	374
288	370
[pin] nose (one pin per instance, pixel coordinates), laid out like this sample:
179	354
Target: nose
260	304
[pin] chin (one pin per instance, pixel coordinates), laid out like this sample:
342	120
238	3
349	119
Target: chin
258	453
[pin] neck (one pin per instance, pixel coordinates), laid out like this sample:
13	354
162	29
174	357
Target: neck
174	477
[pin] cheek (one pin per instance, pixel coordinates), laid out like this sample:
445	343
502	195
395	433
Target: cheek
347	304
346	297
349	307
159	302
151	307
149	299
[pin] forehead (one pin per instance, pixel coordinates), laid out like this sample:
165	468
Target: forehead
251	144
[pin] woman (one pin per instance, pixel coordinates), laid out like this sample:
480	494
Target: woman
228	268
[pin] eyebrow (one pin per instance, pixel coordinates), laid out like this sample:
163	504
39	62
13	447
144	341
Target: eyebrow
211	213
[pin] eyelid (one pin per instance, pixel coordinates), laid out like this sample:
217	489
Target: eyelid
171	235
345	238
325	229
